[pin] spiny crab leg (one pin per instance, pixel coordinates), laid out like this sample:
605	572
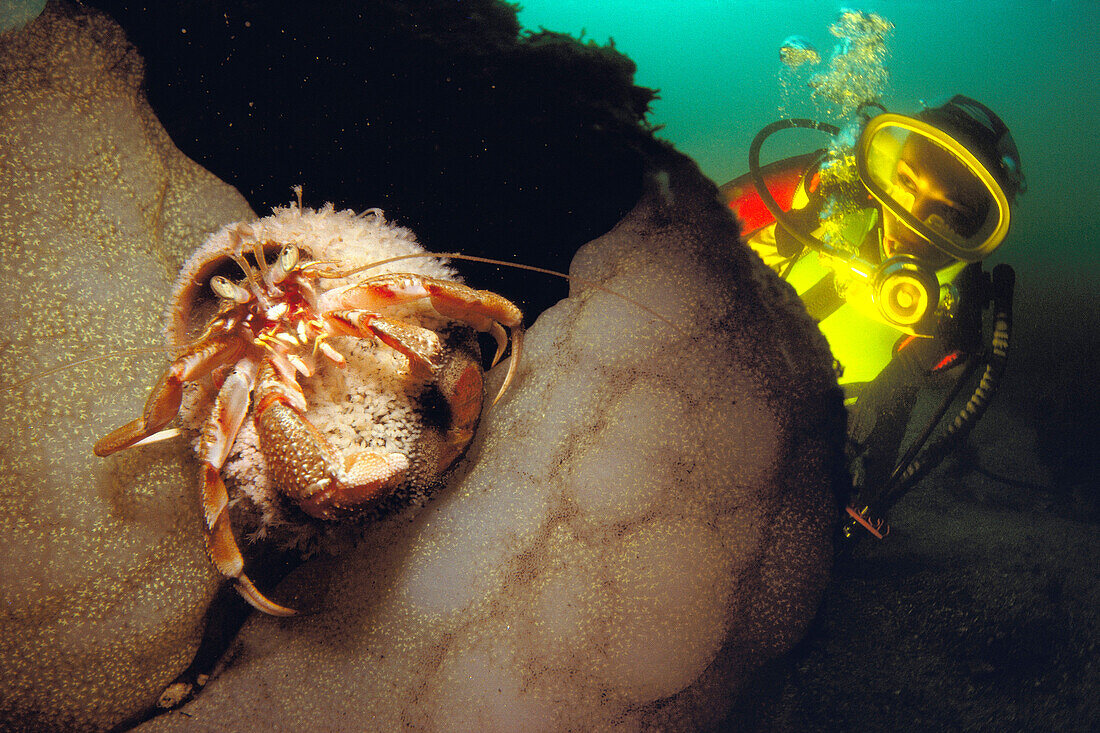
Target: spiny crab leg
303	464
163	402
421	346
485	311
218	434
480	309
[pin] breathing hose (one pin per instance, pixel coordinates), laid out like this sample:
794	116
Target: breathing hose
781	217
913	468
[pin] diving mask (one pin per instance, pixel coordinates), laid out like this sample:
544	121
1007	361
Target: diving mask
932	186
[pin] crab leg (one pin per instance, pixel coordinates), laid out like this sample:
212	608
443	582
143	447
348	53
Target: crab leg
482	310
460	382
164	399
421	346
304	466
218	434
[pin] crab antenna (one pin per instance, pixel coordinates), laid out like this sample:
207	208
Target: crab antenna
250	274
261	261
519	266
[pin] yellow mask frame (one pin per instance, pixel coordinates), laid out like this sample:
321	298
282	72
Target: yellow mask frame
989	236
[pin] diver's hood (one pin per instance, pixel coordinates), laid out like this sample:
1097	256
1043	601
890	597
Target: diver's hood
891	156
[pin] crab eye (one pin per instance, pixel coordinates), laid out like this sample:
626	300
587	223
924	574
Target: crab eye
228	290
288	260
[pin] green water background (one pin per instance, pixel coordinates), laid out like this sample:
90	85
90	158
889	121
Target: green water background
1034	62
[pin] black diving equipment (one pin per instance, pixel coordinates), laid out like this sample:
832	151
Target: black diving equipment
918	459
911	469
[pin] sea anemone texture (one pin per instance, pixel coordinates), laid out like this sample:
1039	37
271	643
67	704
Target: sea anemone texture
105	581
640	522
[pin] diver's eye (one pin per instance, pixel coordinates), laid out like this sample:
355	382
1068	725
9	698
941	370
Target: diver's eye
907	181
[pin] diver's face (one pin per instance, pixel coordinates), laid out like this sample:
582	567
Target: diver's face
938	190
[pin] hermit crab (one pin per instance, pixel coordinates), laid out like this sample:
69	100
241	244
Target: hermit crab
316	355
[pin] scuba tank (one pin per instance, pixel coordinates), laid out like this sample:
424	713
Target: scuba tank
781	179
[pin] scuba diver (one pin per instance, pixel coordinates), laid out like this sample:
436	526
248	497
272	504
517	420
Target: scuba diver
882	235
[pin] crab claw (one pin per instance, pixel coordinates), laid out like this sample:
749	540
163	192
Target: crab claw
486	312
303	464
366	477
